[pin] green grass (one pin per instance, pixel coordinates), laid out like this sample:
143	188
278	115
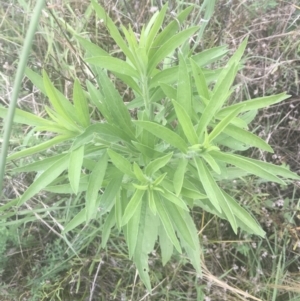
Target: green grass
38	263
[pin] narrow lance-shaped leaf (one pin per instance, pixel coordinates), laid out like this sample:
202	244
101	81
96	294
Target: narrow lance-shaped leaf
244	216
248	165
234	60
254	104
107	199
81	105
94	185
121	163
140	255
170	197
157	164
217	100
139	173
219	128
274	169
74	171
150	194
40	147
28	118
166	245
169	30
180	224
184	92
247	137
132	228
207	183
132	206
164	134
157	21
211	162
170	46
113	30
121	200
62	107
179	175
113	64
185	123
114	106
200	82
45	179
213	191
108	224
165	219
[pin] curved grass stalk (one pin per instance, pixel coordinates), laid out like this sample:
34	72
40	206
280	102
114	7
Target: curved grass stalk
17	83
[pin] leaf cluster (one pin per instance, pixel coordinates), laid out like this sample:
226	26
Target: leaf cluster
146	173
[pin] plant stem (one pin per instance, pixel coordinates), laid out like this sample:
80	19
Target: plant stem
17	83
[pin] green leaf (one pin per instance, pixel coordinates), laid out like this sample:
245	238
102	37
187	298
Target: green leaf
140	253
166	221
121	163
166	245
275	169
180	224
132	206
186	123
169	46
81	105
28	118
151	201
179	175
169	30
219	128
184	93
164	134
214	193
217	100
133	230
38	165
200	81
113	64
113	30
116	112
157	164
146	150
45	178
208	183
157	20
40	147
77	220
234	60
247	138
209	56
194	254
61	106
169	91
211	162
94	185
111	190
139	173
38	81
75	163
254	104
169	196
108	224
62	121
244	216
248	165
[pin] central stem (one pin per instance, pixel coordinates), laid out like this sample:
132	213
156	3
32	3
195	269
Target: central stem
146	97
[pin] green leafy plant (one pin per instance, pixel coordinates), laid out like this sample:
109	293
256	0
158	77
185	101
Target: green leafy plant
147	163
